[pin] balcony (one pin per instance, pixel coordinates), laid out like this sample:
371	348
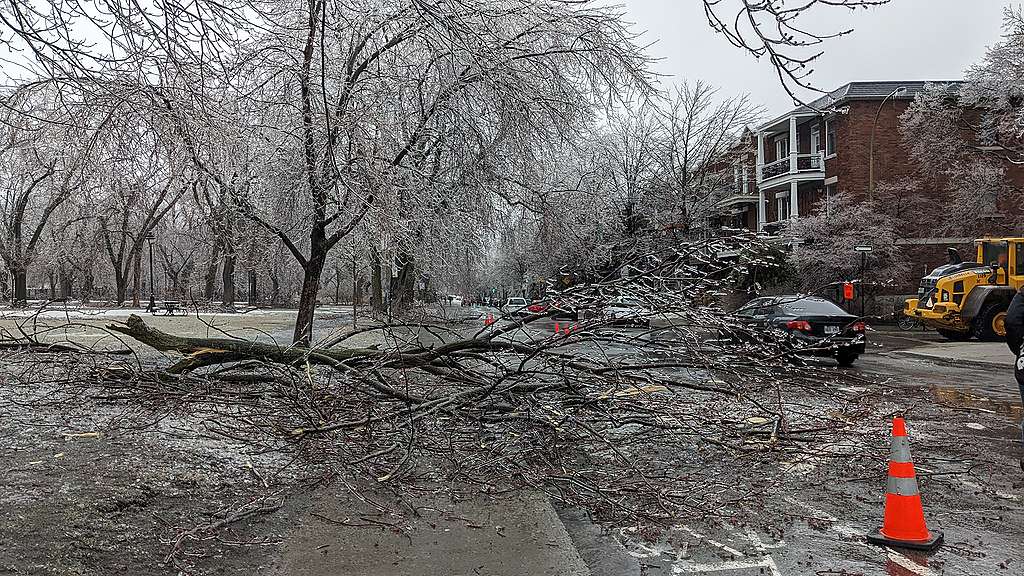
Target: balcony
812	166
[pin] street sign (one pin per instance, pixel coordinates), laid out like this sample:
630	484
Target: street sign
862	248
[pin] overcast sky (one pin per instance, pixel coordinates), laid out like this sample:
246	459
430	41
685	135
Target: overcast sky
904	40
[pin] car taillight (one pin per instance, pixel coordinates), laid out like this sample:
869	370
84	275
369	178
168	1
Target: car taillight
859	326
802	325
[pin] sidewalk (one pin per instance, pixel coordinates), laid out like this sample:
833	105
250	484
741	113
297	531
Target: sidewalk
511	535
978	353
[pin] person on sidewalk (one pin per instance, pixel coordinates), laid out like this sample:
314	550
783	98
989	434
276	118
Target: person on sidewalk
1015	340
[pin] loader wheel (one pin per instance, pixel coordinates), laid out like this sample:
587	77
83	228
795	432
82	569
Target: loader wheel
954	335
990	325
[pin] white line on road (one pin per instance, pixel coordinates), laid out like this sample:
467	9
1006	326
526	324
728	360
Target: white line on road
849	531
767	562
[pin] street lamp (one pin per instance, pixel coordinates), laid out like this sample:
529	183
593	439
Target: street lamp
871	146
864	250
152	296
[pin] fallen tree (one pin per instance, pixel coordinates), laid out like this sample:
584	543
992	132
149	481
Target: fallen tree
635	425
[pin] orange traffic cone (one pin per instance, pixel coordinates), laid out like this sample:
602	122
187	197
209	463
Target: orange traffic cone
556	328
489	320
903	524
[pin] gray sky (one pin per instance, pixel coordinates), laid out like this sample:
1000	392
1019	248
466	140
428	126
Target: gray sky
904	40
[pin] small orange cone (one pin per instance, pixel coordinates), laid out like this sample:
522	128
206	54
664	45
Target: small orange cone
556	328
903	524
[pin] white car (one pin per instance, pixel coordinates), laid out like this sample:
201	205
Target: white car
515	306
628	311
454	300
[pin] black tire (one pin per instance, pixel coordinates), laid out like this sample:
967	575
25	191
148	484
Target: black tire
983	325
846	358
954	335
907	323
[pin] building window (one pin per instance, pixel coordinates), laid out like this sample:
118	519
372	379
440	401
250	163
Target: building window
782	205
781	147
830	138
737	178
815	139
830	194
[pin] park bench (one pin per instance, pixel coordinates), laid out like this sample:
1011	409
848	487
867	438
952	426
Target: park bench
171	308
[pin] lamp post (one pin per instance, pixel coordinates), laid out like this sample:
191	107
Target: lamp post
152	296
871	145
864	250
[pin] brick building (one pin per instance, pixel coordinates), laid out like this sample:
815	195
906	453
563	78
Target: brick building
816	150
801	157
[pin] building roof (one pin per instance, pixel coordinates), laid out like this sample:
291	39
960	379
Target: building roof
861	91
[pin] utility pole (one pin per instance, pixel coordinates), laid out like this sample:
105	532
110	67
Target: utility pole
864	250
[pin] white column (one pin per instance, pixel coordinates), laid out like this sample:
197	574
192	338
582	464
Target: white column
760	192
794	200
794	145
760	155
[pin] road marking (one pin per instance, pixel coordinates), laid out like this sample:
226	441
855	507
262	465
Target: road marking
715	543
849	531
766	562
907	563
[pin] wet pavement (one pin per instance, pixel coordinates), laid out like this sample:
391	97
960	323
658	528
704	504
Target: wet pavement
85	504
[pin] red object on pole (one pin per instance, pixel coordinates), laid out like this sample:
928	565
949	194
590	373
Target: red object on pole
848	290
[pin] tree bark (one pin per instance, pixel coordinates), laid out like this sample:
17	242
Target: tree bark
314	269
253	296
376	296
88	283
210	284
20	294
403	287
275	289
207	351
228	277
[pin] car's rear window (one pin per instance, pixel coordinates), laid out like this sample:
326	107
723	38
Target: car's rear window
516	301
811	306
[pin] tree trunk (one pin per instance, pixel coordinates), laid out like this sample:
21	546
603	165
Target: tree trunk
376	296
275	289
314	269
20	295
87	285
253	296
211	273
403	287
67	281
120	287
228	277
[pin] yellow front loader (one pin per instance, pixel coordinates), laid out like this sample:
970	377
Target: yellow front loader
962	300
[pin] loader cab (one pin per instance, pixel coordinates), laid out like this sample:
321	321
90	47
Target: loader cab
1006	257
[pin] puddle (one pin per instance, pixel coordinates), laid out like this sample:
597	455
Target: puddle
972	398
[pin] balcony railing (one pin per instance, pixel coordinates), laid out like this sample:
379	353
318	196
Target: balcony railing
792	164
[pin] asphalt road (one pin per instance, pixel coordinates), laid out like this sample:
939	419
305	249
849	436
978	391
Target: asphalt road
84	504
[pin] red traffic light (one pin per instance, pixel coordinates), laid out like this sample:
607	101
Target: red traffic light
848	290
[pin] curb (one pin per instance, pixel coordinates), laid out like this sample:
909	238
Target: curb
955	361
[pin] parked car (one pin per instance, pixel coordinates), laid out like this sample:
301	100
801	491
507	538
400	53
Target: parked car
515	307
814	326
454	300
537	307
626	311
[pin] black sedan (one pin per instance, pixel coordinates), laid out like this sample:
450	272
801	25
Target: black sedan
814	326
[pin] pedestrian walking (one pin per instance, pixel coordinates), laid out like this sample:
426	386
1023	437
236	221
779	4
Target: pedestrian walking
1015	340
